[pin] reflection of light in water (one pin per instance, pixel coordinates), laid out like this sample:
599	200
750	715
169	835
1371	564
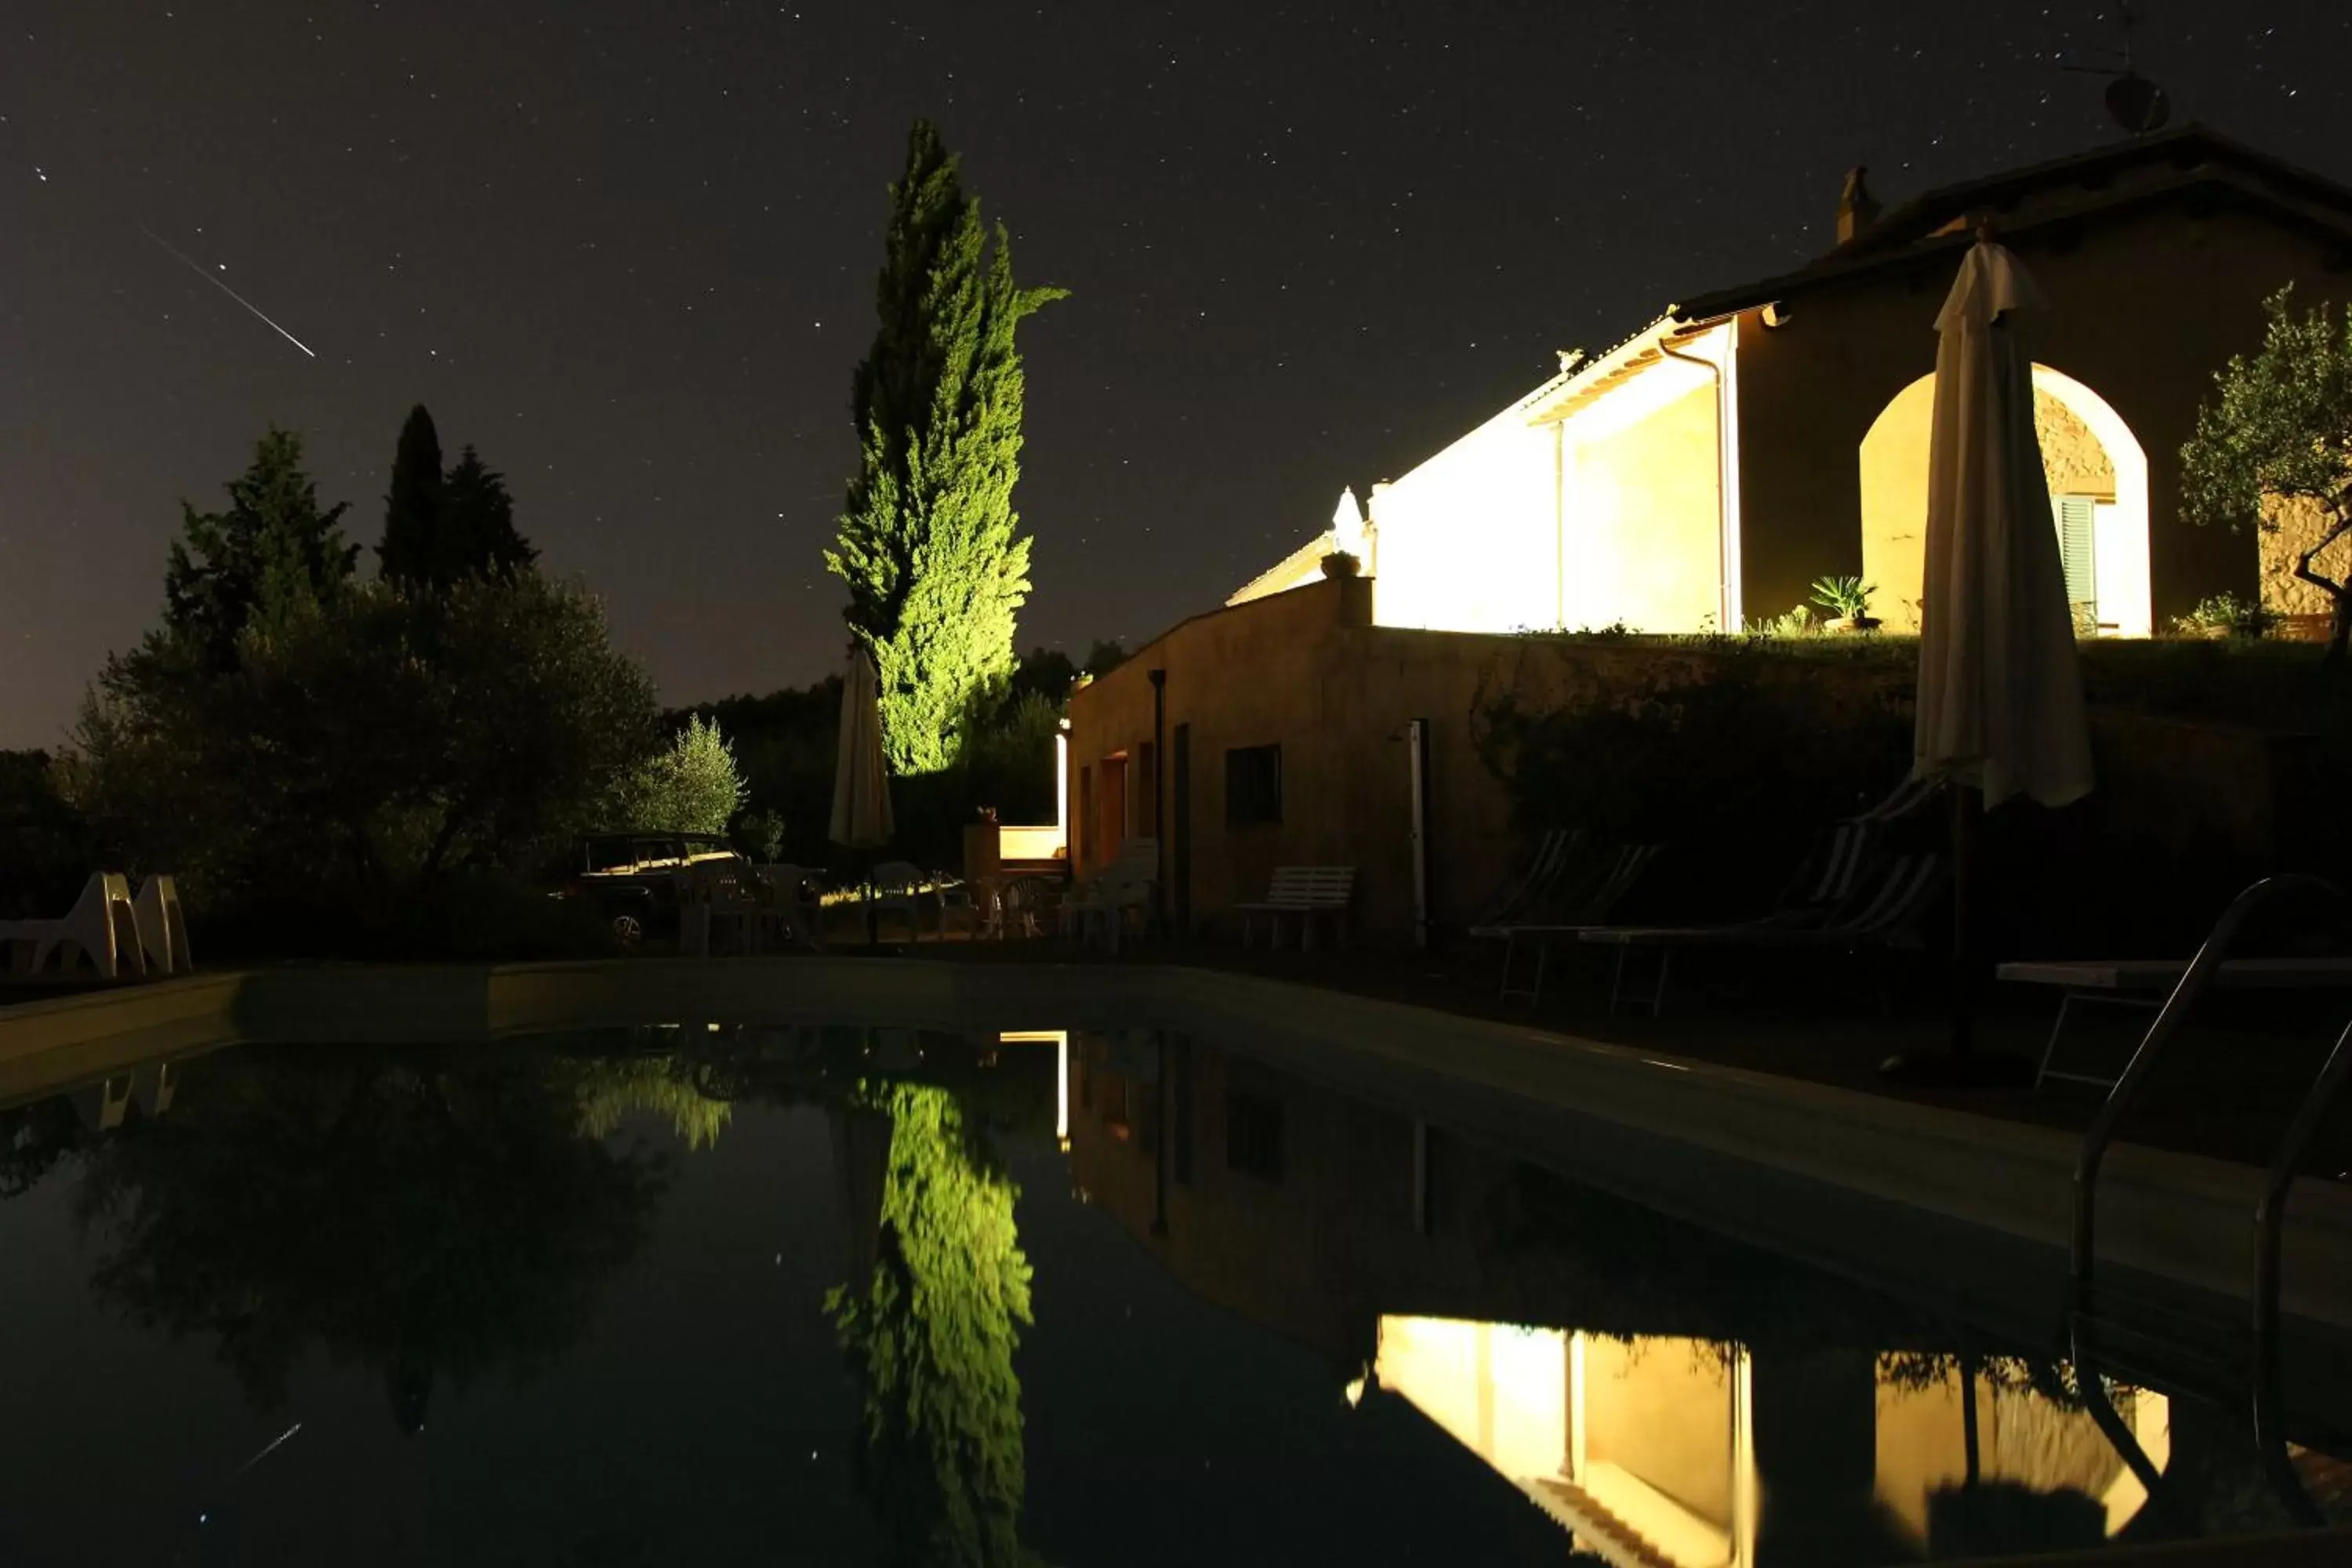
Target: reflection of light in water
1060	1039
1649	1444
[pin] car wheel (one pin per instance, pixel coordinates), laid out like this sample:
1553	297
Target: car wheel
628	930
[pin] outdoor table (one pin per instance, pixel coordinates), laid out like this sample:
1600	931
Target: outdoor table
2147	983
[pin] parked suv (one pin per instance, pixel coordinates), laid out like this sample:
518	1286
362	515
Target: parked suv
633	879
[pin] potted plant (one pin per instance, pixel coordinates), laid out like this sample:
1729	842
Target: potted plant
1341	564
1847	599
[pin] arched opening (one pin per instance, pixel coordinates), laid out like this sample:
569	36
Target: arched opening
2098	498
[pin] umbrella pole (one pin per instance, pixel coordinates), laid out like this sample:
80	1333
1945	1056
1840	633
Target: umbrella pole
1960	1064
1967	872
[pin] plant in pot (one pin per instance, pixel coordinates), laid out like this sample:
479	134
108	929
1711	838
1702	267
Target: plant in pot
1341	564
1847	600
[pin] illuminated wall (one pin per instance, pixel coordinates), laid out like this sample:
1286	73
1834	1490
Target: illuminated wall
1643	539
1611	513
1469	540
2087	450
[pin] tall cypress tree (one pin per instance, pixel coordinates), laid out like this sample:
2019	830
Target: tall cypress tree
273	553
411	548
928	541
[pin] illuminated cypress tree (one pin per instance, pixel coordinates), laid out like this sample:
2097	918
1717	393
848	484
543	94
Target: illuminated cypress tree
928	541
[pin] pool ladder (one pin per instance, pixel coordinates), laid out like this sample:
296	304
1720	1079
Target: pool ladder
2250	1349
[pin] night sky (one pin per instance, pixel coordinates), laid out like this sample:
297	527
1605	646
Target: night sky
627	248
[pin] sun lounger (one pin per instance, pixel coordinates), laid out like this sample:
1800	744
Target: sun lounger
1885	913
1587	901
1305	891
101	929
1530	889
1819	890
162	927
2143	983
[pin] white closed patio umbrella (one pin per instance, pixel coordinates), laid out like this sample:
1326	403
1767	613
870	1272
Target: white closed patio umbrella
2000	699
861	786
2000	696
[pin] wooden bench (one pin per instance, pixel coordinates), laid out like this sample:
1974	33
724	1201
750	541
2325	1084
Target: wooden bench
1304	891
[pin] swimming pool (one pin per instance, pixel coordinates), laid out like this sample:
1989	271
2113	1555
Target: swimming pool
661	1292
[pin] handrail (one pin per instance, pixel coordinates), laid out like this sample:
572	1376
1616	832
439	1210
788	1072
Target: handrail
2127	1087
2270	1216
2269	1209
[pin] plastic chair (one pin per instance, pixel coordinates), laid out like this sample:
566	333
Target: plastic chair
100	927
796	904
897	885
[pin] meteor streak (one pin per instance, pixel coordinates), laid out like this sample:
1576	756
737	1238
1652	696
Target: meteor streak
208	275
271	1446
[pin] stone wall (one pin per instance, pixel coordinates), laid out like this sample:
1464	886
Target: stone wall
2291	527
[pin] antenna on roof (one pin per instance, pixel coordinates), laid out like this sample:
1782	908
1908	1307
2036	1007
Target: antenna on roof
2135	103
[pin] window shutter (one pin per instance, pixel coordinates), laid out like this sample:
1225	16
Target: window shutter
2075	515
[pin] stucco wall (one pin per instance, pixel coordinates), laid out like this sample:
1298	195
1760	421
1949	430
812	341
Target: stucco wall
2145	307
1309	671
1645	517
1893	468
1469	541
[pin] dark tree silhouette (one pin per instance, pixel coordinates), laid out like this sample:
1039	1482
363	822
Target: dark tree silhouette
478	522
274	553
412	548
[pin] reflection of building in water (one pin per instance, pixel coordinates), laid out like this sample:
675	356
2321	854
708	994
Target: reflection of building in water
1635	1414
1660	1450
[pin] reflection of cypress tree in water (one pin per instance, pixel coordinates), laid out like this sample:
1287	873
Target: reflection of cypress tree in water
433	1222
930	1338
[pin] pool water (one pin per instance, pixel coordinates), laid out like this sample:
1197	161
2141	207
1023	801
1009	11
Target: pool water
859	1296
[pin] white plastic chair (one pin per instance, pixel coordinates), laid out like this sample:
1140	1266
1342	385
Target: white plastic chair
100	927
897	885
796	901
163	928
709	896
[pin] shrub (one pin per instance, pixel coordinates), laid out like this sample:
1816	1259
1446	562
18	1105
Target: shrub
1731	767
688	787
2227	615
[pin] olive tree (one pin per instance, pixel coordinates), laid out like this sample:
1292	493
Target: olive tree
2277	436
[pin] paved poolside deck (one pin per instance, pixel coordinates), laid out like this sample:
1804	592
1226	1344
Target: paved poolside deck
2228	1095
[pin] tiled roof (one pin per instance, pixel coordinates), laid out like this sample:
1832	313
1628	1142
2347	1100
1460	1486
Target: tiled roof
2104	179
1285	572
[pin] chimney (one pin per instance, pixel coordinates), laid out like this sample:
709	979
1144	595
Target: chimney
1857	208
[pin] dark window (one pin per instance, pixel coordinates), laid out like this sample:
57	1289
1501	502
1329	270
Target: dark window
1254	1134
611	855
657	854
1252	786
